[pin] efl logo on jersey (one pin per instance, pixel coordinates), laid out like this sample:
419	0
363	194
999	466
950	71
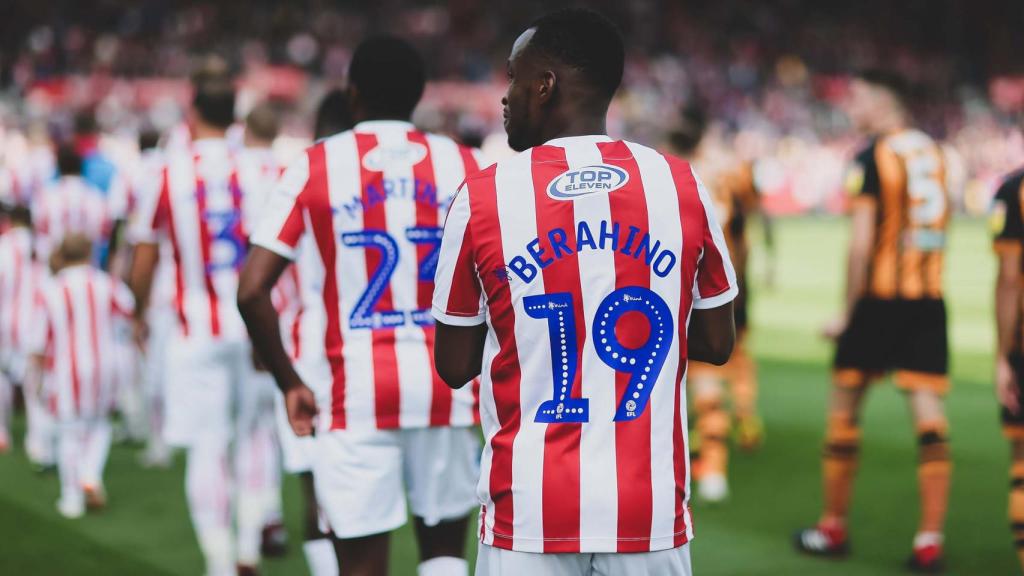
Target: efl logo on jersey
599	178
402	155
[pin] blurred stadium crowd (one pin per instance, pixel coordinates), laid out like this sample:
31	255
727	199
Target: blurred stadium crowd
772	85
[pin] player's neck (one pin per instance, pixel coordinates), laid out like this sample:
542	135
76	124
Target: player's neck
578	126
203	131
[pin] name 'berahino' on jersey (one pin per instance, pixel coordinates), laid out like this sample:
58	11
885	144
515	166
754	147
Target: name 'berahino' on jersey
360	214
584	256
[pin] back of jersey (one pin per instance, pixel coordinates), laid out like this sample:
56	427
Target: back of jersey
904	175
361	215
585	257
200	210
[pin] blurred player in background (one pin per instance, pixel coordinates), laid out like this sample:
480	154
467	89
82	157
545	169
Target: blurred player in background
735	198
367	205
160	319
259	171
200	206
69	205
1008	227
21	278
298	452
895	315
599	250
75	347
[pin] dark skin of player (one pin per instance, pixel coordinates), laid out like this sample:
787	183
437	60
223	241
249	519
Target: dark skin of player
368	555
546	100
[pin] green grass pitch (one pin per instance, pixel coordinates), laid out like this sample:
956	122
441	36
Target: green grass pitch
146	529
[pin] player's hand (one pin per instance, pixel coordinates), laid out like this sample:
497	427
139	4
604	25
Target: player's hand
834	328
1006	385
140	333
301	405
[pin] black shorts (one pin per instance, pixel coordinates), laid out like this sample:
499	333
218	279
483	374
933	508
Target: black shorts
1013	421
895	335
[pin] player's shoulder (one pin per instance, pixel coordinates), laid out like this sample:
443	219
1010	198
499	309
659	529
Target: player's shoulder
1010	186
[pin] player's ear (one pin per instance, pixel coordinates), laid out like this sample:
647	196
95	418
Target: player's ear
546	85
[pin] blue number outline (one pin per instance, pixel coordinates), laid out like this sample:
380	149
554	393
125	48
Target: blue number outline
364	314
558	310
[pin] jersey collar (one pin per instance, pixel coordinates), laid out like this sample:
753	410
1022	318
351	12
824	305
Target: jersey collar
587	139
376	125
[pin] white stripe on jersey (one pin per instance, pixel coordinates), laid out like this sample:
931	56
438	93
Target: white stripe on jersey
69	205
21	280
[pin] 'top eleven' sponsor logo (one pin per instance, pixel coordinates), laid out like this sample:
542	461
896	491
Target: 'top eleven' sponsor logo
588	180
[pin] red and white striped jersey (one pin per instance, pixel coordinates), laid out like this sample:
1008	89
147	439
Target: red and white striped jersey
202	207
69	205
81	307
360	213
584	256
21	279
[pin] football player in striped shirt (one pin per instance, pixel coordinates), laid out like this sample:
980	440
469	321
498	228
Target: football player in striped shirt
1008	227
578	278
69	205
201	207
894	318
736	201
75	348
21	278
360	213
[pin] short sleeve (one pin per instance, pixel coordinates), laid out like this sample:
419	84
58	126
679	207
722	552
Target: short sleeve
152	210
1005	218
458	297
862	176
715	284
280	222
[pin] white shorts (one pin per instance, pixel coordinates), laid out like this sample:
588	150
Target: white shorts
491	561
297	452
362	477
212	390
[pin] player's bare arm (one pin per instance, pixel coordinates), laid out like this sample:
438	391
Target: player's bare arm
1008	310
862	238
145	257
458	352
712	335
261	272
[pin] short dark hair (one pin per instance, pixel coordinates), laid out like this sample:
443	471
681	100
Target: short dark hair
895	83
263	122
389	75
333	115
149	138
214	101
693	123
69	161
585	40
19	214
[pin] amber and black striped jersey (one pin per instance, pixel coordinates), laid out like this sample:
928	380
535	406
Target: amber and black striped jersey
735	198
1007	216
903	174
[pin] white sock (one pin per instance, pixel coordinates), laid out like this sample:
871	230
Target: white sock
97	449
443	566
216	543
320	557
922	539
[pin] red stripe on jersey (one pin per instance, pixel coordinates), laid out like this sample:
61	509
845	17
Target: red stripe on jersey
293	227
76	384
425	195
386	390
297	321
165	211
317	199
469	163
561	475
205	247
693	233
714	280
633	437
94	341
505	366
